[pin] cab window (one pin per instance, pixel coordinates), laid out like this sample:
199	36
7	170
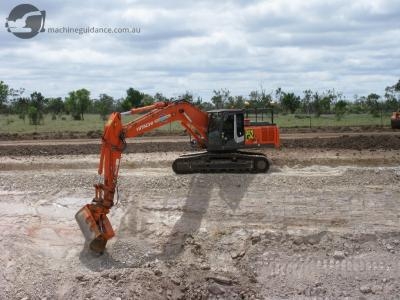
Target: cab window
240	125
228	126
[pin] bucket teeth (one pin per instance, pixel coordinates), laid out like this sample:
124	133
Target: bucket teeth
98	244
96	228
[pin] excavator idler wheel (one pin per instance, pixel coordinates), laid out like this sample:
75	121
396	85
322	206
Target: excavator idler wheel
261	165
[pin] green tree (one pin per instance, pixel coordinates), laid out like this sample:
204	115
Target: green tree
4	93
203	105
159	97
321	104
71	105
391	103
83	97
118	105
188	96
133	99
217	99
55	106
147	100
77	103
396	86
357	106
104	105
278	94
265	99
316	104
340	109
199	103
372	103
329	98
239	102
220	98
20	106
290	102
36	108
392	96
325	104
33	114
306	105
253	99
259	99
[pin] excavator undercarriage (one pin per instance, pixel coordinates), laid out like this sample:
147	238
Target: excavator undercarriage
232	162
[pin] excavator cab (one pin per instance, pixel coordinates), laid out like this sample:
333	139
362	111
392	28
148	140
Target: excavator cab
225	130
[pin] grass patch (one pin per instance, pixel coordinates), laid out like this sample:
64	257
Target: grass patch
353	120
12	124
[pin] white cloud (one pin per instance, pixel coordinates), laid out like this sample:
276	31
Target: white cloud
205	45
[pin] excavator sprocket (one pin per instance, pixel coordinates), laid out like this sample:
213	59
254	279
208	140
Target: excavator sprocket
221	162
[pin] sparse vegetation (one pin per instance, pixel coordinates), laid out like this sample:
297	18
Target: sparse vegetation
13	124
313	108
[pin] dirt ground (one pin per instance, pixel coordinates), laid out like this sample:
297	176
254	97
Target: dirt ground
322	224
389	140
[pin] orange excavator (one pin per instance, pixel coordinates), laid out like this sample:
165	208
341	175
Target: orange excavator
221	132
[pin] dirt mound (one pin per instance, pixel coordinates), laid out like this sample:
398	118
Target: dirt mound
343	129
83	149
354	142
96	134
91	134
49	135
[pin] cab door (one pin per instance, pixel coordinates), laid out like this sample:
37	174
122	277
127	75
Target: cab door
239	128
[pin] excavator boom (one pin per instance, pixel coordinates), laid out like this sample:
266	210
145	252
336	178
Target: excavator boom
92	218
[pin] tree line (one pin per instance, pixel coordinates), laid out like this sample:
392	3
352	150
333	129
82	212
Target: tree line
80	102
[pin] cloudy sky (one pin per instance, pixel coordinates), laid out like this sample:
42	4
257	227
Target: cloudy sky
199	46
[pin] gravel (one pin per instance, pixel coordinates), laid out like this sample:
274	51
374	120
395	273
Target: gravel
303	230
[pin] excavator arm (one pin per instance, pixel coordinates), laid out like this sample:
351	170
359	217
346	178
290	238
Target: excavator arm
92	218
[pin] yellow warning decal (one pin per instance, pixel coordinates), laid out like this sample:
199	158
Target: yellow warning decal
249	134
109	122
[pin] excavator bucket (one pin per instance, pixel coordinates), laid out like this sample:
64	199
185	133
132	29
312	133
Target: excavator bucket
96	232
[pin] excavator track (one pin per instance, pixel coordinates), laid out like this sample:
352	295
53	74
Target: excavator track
221	162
